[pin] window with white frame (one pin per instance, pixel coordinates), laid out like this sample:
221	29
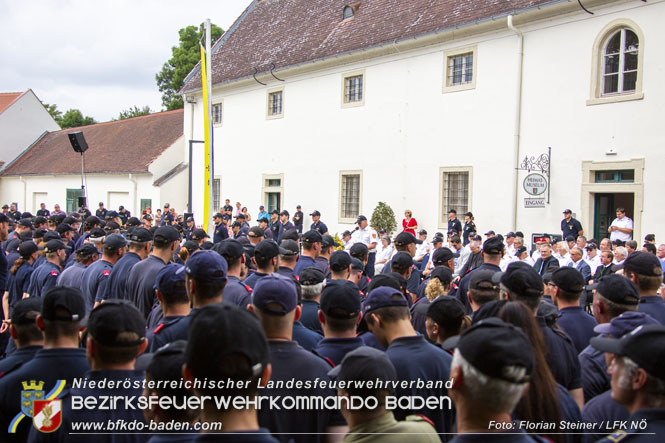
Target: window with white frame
275	103
216	192
618	63
460	69
350	183
217	114
455	191
353	88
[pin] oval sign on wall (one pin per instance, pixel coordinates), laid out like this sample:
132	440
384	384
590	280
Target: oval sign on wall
535	184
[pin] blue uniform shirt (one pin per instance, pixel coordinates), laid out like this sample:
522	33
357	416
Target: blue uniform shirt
164	323
17	359
304	262
578	325
4	272
319	226
117	284
20	283
310	315
602	408
175	331
236	292
43	278
306	338
562	356
595	379
334	349
654	305
283	227
252	279
141	283
654	431
94	281
220	233
72	276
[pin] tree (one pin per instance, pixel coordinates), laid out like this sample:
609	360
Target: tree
54	111
134	112
383	217
73	118
184	57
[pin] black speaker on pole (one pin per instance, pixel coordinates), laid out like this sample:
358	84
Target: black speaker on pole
78	141
82	202
186	215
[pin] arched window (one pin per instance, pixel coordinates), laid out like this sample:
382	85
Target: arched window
620	62
347	13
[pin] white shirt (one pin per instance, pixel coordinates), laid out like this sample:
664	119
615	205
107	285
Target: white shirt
510	250
621	223
593	263
564	261
384	253
506	260
422	249
528	260
536	255
366	236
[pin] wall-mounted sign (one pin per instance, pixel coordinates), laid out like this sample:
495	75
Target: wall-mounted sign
534	202
535	184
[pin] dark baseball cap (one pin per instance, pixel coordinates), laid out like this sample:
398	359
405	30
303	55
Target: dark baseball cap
115	241
65	298
401	262
618	289
437	239
643	345
643	263
217	215
568	279
493	245
519	251
359	250
111	226
206	265
444	310
39	233
133	221
274	211
53	246
168	233
405	238
110	322
339	260
140	235
94	233
25	223
291	247
229	248
275	289
492	346
567	211
468	214
190	219
255	232
27	248
111	214
199	234
422	232
383	297
264	219
340	301
268	249
86	250
510	235
590	246
361	218
23	308
442	256
311	276
443	273
623	324
284	212
522	280
345	233
383	280
364	364
315	213
221	332
165	365
357	265
483	279
328	241
191	246
312	236
166	280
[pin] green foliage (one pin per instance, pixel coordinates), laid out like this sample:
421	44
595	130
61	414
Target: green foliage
184	57
73	118
383	217
54	111
134	112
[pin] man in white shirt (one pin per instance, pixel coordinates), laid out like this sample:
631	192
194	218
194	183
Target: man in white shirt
622	227
592	258
368	236
510	244
620	254
423	248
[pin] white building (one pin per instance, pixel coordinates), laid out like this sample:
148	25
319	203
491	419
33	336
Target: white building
23	119
137	162
430	107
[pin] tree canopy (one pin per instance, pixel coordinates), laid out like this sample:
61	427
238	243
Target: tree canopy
134	112
70	119
184	57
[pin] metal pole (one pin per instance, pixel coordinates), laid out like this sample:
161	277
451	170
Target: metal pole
189	187
211	176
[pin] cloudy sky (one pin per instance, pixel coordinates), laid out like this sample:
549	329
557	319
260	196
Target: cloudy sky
97	56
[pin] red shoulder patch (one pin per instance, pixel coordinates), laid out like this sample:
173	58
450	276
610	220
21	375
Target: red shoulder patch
106	273
158	328
54	273
426	419
248	288
297	278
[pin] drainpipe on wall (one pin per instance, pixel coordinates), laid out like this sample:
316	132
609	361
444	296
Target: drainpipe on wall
518	114
136	205
25	193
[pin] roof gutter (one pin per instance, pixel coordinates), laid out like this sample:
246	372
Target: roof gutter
518	113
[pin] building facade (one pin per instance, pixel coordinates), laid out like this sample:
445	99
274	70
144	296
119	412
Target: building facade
430	108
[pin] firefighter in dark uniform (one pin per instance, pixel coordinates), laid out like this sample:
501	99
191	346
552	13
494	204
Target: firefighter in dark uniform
101	211
318	224
172	296
220	233
235	292
454	225
46	275
274	224
25	333
298	219
189	227
264	223
469	228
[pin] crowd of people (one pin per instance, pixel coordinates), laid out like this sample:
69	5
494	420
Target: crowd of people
562	342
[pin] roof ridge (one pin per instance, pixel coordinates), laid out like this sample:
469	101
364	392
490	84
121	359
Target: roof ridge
173	111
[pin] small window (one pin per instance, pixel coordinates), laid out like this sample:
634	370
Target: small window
353	88
347	13
460	69
272	191
72	203
273	182
276	103
217	114
622	176
455	192
146	203
350	194
216	192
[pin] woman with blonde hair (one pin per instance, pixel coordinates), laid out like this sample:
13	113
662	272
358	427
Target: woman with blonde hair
409	223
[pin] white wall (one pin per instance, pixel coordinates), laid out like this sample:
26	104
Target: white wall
21	124
408	129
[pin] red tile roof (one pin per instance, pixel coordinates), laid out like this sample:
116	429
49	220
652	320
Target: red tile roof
8	98
291	32
121	146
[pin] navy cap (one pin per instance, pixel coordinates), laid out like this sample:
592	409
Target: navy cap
357	265
568	279
63	298
291	247
274	211
168	233
490	232
339	260
275	289
191	246
111	226
311	276
643	263
401	261
405	238
443	273
21	311
94	233
190	219
111	214
340	301
284	212
86	249
442	256
590	246
492	345
359	250
110	322
206	265
312	236
445	310
229	248
167	278
519	251
623	324
493	245
383	297
25	223
523	280
217	215
133	221
383	280
53	246
140	235
264	219
436	240
315	213
255	232
482	279
328	241
510	235
345	233
618	289
361	218
567	211
115	241
364	364
27	248
643	345
199	234
268	249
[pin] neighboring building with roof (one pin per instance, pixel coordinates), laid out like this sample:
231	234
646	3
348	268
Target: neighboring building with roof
432	105
23	119
137	162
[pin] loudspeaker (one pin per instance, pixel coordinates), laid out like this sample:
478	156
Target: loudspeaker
186	215
81	202
78	141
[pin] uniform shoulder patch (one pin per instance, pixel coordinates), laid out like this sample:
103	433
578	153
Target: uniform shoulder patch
158	328
106	273
54	273
249	289
419	417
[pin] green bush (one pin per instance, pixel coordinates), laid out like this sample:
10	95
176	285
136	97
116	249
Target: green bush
383	217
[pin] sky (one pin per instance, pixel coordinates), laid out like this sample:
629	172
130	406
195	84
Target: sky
97	56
